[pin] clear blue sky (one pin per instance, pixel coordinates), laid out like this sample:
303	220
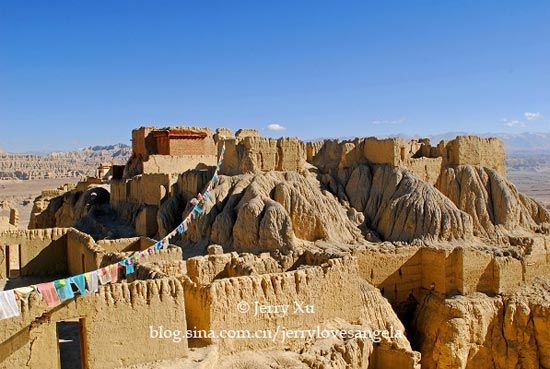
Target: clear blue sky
78	73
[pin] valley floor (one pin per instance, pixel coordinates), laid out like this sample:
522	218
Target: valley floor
21	194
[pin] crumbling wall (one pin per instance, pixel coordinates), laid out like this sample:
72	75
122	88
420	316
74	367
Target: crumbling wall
252	153
447	270
126	244
384	151
418	156
474	150
62	251
137	200
172	253
142	143
83	254
331	155
204	269
427	169
217	265
125	310
158	269
434	269
396	271
508	274
147	189
146	221
248	152
247	132
119	189
177	164
477	331
537	260
477	272
333	290
43	251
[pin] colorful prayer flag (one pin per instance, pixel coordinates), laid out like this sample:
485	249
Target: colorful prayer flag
80	282
48	293
104	275
92	281
24	292
9	307
63	289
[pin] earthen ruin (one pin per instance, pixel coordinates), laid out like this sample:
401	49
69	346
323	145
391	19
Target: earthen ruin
432	240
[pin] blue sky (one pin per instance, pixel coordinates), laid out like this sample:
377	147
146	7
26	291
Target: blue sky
75	73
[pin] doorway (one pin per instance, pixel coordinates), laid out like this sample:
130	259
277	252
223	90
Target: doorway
71	343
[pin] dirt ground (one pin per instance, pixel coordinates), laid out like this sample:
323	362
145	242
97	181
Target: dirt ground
21	194
535	184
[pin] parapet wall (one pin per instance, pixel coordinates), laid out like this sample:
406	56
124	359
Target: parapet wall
172	253
204	269
158	269
126	244
84	254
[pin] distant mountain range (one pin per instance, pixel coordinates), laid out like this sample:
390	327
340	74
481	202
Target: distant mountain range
61	164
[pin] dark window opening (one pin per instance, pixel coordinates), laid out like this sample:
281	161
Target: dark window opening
71	342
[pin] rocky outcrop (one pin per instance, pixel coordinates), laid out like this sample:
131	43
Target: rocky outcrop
493	202
477	331
86	209
398	205
378	314
268	212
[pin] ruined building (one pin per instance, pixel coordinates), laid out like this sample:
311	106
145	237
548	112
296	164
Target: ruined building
374	233
170	150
